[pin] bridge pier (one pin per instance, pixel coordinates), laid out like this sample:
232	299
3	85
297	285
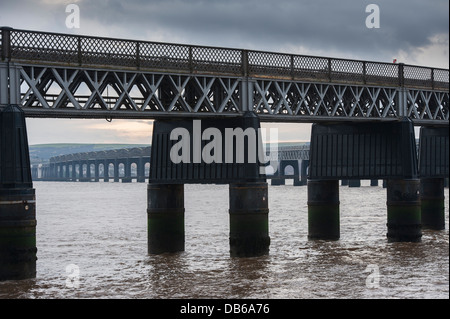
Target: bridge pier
140	170
323	209
303	173
403	210
249	219
433	168
165	218
96	171
73	176
127	171
432	203
88	171
340	151
17	199
248	190
105	171
116	171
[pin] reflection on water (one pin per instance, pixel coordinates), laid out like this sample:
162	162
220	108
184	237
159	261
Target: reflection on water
101	228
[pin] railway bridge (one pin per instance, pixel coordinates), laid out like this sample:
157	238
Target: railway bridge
207	104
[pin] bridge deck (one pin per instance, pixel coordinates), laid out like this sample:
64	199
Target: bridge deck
202	81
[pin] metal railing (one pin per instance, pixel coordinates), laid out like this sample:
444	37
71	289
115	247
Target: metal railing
75	50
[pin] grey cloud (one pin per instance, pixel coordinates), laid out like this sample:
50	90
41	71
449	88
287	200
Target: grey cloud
269	25
319	25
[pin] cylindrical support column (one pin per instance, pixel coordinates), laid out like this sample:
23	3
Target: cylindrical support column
52	173
249	219
74	171
106	171
403	210
127	171
323	209
17	199
432	203
304	171
96	171
17	234
116	171
165	218
88	171
140	169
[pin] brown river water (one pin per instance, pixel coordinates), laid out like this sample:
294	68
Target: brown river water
92	243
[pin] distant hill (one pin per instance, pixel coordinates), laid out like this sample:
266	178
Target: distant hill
41	153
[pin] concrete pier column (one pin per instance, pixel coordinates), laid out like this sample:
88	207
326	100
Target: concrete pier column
403	210
66	171
127	171
52	173
116	171
17	199
432	203
323	209
105	171
249	219
88	171
60	171
96	171
165	218
140	170
304	172
71	172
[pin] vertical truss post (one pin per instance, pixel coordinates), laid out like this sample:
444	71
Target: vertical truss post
247	95
402	105
9	84
6	43
79	51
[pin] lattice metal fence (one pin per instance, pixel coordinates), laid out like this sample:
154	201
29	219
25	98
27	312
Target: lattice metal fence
32	46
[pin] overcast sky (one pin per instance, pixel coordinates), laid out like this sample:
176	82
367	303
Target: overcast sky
411	31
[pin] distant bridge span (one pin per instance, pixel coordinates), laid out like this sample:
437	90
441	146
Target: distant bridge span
90	166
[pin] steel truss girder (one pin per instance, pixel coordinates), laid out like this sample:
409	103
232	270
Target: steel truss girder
49	91
56	91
